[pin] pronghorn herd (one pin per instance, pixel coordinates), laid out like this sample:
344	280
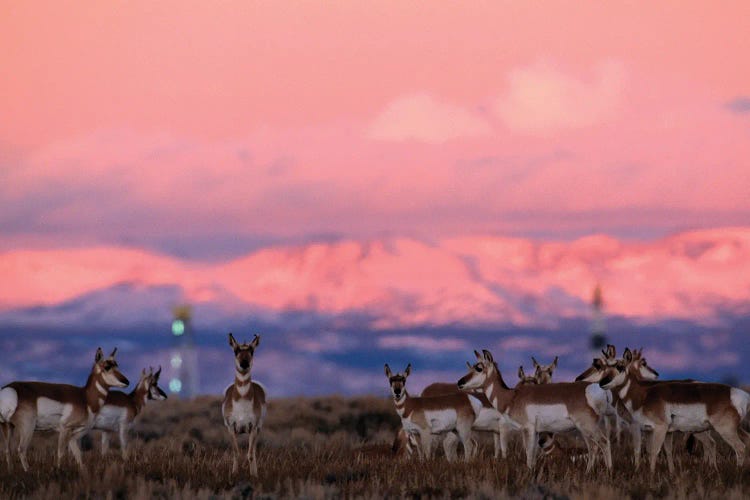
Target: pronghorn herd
612	393
73	411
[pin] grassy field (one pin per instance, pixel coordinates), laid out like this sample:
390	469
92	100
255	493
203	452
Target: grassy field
333	447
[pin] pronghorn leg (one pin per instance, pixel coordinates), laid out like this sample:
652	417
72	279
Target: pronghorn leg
464	433
124	441
235	450
668	439
8	435
529	441
450	446
252	444
728	430
637	437
25	431
75	449
425	444
655	442
502	436
709	447
105	442
62	440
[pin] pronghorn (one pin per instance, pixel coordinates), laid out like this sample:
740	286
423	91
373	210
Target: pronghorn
647	376
679	406
425	416
68	409
244	406
120	409
524	379
543	408
543	373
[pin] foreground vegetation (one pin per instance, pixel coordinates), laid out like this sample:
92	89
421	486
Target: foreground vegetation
332	447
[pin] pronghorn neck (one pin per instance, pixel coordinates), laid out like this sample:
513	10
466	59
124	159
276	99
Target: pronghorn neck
631	393
242	382
400	404
498	393
96	391
139	396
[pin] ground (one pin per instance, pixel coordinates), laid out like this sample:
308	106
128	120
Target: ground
332	447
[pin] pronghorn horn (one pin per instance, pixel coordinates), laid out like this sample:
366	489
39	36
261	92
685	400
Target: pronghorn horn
143	372
479	356
113	353
521	374
469	365
158	372
536	365
99	354
554	363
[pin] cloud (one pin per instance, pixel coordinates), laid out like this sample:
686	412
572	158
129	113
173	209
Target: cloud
421	117
739	105
421	343
541	98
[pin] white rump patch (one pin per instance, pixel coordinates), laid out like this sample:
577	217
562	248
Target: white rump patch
687	417
441	420
549	418
110	417
740	400
8	403
49	413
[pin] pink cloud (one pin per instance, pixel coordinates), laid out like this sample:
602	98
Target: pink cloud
541	98
421	117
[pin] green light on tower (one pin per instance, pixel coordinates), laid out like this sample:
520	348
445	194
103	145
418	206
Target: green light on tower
178	327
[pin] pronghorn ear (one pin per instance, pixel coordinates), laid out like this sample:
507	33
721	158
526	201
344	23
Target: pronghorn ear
408	370
113	353
255	342
232	342
488	356
99	355
536	365
627	355
143	372
521	374
611	351
554	363
388	372
468	365
157	374
479	356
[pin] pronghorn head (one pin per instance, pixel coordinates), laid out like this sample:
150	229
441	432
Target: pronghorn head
640	367
243	353
523	379
397	381
478	372
543	373
595	372
150	383
107	370
616	374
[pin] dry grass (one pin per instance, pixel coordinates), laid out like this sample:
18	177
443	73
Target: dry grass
333	447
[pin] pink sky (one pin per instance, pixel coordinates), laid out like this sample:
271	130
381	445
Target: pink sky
239	123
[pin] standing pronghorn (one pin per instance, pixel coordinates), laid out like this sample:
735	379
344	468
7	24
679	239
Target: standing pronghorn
426	416
68	409
647	376
543	373
120	410
543	408
679	406
244	406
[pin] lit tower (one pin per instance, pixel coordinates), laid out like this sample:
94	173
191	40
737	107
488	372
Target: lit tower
184	361
598	339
